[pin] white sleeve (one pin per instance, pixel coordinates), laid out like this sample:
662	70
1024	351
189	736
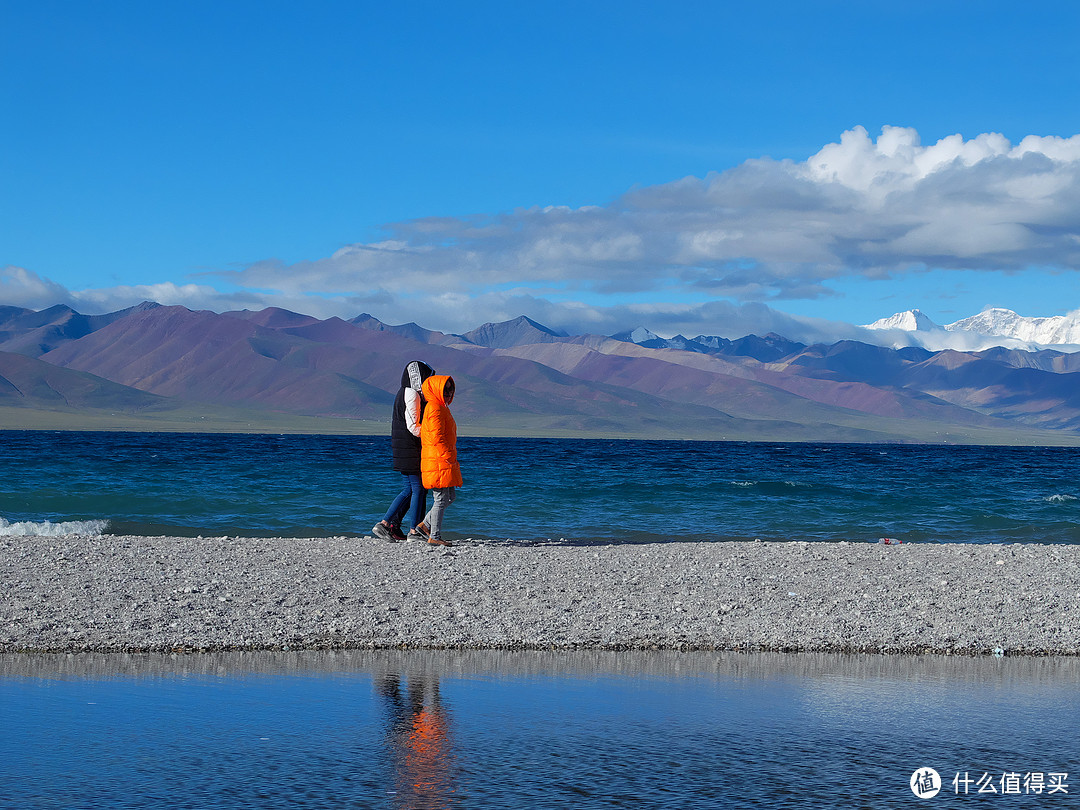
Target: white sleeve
412	411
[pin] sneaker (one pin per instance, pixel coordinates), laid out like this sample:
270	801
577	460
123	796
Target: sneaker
395	532
419	532
438	541
382	531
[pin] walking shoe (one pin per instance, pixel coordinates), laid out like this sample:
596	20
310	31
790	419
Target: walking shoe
382	531
419	532
438	541
395	532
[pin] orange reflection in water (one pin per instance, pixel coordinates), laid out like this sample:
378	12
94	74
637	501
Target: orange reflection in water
419	741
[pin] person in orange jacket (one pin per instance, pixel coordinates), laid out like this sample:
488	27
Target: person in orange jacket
439	468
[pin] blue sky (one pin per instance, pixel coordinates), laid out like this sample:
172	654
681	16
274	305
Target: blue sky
715	168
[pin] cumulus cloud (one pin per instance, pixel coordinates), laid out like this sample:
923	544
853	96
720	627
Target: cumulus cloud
20	287
766	230
24	288
725	245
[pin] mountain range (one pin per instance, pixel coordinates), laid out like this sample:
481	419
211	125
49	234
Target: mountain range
167	367
994	326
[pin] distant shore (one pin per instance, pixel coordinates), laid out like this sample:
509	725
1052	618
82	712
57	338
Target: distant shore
221	419
167	594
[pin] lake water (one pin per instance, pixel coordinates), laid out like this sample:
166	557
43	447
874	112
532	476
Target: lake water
535	730
540	490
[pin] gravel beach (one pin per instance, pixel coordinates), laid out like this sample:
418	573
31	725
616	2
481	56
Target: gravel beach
106	593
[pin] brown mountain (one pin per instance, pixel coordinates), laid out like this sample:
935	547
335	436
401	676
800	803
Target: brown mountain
26	382
520	377
335	369
25	331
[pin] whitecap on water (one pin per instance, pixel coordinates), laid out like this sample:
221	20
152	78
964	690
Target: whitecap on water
47	528
1061	498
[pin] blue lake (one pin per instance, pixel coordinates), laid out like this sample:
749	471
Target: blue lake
535	730
540	490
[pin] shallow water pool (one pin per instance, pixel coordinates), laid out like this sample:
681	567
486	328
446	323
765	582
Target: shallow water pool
534	730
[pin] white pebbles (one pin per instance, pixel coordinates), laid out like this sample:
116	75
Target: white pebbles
159	594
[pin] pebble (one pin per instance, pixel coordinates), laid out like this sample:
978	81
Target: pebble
105	593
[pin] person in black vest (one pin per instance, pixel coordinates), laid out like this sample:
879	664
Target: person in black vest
405	445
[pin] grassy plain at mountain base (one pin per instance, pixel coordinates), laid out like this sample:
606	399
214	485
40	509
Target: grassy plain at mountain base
187	420
221	420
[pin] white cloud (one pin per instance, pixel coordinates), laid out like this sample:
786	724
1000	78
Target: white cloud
24	288
764	231
194	296
20	287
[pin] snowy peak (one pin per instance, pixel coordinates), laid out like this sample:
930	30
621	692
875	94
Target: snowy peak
991	327
911	321
1053	331
640	336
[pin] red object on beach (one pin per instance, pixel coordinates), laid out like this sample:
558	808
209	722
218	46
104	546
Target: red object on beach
890	541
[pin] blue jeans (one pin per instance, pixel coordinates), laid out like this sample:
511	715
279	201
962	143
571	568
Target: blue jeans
412	499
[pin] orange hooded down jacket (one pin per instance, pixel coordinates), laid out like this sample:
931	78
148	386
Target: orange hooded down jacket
438	437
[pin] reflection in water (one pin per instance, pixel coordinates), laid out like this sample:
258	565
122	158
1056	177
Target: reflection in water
511	730
418	739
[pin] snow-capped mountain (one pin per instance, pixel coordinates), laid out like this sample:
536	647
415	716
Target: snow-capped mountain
1053	331
991	327
640	336
911	321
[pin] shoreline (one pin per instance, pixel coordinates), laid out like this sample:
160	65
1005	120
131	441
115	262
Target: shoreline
23	419
124	594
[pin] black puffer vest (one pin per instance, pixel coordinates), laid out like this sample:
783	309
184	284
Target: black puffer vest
405	446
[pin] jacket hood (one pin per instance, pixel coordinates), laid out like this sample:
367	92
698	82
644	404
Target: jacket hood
435	388
414	375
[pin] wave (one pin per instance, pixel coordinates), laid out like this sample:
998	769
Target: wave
46	528
774	484
1061	498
